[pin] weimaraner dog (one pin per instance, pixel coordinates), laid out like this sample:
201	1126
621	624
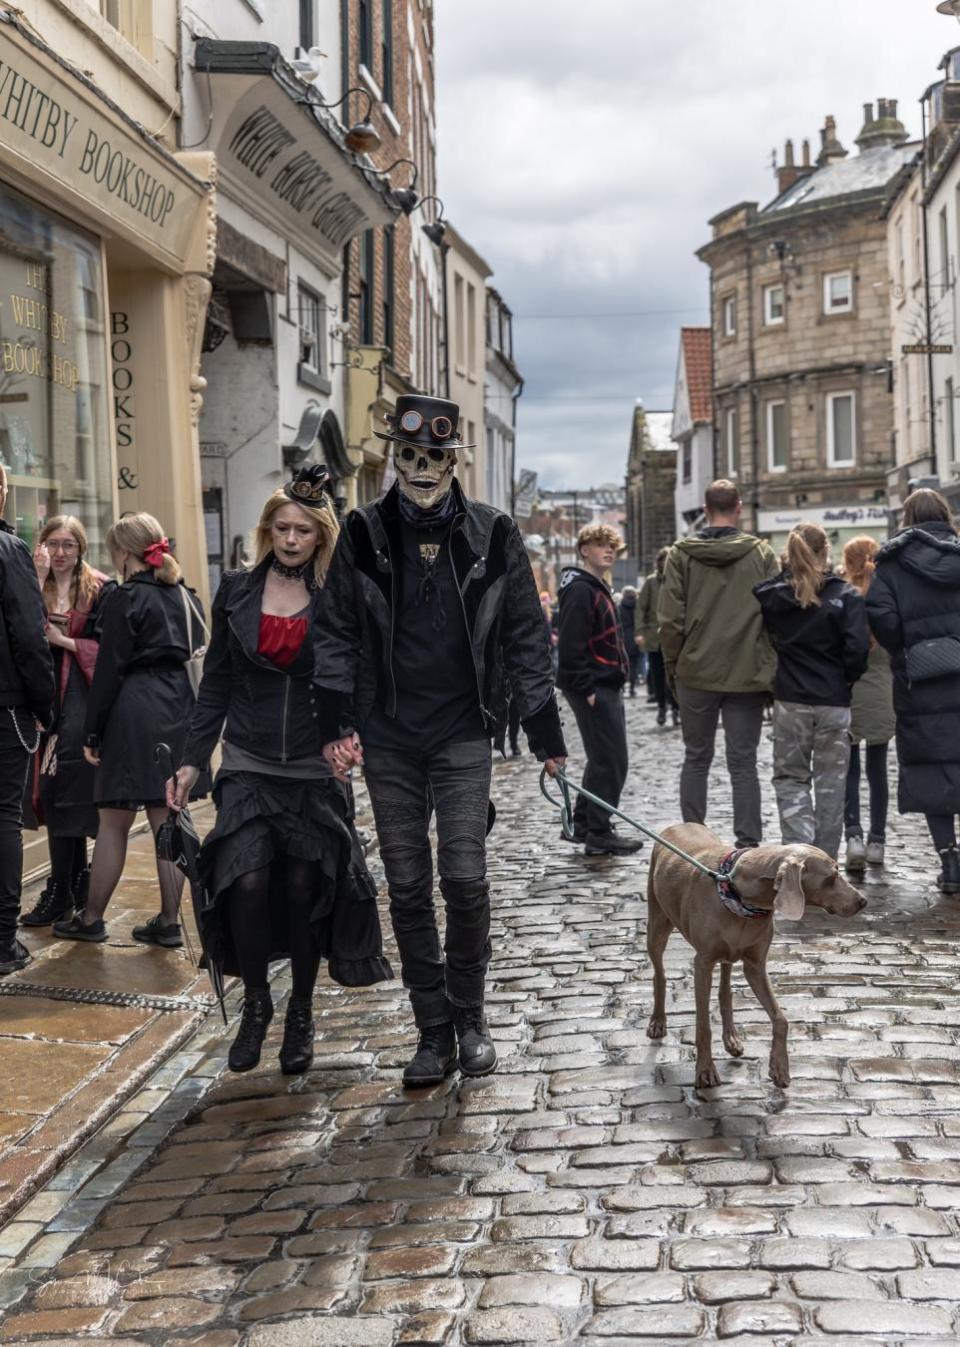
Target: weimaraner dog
732	926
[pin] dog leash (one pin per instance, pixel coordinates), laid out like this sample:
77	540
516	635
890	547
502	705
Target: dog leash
566	822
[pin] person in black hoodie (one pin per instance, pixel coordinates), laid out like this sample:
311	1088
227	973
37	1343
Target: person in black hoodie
26	705
913	607
818	624
592	671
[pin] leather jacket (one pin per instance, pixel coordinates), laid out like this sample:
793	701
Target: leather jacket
354	645
269	712
26	665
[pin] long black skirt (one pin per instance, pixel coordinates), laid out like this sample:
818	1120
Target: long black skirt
262	820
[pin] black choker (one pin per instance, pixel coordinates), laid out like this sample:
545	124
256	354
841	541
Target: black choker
291	572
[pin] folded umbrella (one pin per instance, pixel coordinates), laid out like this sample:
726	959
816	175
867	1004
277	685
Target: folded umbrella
178	841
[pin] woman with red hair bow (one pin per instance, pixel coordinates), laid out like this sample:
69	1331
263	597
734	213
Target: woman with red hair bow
141	695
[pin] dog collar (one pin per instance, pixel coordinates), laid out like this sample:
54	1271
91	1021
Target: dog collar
727	892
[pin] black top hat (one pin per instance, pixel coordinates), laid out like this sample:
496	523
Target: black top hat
429	423
309	486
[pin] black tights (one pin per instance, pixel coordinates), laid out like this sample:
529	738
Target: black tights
68	857
251	927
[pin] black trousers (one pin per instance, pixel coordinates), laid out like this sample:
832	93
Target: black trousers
661	688
513	724
603	730
879	792
14	761
452	781
943	830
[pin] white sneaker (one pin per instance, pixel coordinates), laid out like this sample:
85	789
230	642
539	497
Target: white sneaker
874	853
856	854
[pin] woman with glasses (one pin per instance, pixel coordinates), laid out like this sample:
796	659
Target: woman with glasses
60	789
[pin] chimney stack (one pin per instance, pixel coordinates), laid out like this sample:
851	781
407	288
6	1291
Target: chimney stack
830	147
885	130
806	155
788	173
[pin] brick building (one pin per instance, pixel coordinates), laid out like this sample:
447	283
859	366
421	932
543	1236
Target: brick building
650	489
801	334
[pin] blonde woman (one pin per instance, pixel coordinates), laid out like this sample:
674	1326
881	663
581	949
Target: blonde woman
283	862
873	721
140	696
818	624
62	786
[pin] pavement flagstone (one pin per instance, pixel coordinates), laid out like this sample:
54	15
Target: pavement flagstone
586	1193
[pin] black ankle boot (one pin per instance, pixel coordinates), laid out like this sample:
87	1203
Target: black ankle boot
478	1056
81	887
435	1058
950	875
51	904
296	1051
254	1022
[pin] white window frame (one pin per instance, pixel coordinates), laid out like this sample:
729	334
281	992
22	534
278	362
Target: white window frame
311	301
729	305
831	399
770	319
732	440
829	307
768	416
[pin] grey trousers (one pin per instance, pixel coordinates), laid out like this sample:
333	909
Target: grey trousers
811	755
742	717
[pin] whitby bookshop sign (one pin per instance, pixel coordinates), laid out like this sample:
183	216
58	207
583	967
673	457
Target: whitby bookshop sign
58	128
828	517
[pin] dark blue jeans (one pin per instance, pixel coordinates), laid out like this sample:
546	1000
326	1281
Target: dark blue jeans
452	781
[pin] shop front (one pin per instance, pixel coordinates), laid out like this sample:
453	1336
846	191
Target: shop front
841	522
105	252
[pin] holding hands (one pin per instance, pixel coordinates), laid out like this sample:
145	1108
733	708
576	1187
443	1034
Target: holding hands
344	754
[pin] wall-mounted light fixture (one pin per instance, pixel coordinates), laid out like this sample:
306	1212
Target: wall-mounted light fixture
436	229
405	197
362	137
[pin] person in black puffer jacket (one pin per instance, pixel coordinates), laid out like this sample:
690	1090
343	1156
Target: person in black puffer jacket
915	597
818	624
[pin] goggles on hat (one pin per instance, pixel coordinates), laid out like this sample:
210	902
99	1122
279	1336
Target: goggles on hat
441	427
408	453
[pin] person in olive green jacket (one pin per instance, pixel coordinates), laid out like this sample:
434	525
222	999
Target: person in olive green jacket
718	657
648	634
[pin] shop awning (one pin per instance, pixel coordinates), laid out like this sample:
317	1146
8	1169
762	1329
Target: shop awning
279	148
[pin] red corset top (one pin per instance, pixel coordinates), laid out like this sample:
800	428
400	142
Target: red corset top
281	638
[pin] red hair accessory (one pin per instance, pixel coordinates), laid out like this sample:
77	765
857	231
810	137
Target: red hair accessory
154	554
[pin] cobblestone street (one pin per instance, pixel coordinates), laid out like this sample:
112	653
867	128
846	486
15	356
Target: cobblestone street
585	1193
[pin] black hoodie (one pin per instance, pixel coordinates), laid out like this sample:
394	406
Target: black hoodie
591	651
821	650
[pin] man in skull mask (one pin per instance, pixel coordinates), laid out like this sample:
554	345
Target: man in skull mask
429	605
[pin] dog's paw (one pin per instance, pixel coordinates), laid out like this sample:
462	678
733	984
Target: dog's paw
780	1072
733	1044
708	1077
657	1028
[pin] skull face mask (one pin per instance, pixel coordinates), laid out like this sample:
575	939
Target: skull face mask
424	475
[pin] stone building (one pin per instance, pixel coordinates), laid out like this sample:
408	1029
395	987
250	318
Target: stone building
692	428
650	490
803	401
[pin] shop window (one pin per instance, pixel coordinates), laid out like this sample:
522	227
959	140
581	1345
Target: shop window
366	288
54	374
838	292
841	430
386	50
311	314
778	449
774	305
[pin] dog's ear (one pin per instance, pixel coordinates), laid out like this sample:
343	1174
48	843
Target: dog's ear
788	887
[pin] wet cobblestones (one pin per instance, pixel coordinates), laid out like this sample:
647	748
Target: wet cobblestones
586	1193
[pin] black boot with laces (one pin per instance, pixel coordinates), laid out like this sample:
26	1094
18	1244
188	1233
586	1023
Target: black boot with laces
950	875
478	1056
52	903
435	1058
296	1051
254	1022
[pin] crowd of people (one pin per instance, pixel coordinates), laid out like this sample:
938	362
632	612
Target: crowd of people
404	643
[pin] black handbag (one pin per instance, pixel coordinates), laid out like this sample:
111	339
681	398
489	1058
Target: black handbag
936	658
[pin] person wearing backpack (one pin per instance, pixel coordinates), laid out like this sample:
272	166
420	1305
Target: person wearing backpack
141	694
818	624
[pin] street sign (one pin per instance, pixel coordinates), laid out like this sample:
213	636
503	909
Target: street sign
926	348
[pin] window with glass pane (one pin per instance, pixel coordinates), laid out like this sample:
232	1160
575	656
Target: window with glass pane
774	305
310	307
386	45
365	25
688	460
841	430
366	288
54	420
838	292
777	448
730	316
308	25
389	287
733	441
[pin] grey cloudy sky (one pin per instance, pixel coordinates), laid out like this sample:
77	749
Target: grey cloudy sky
584	146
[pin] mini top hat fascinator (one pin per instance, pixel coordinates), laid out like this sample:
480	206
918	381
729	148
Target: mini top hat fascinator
310	486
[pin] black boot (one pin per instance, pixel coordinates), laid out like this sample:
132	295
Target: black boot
950	875
14	955
296	1051
254	1022
81	886
478	1056
51	904
435	1058
611	843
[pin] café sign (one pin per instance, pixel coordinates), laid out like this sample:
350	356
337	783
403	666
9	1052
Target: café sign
60	131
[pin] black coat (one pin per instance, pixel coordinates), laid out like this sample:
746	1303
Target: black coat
140	695
591	650
821	650
26	665
628	621
914	596
269	712
354	648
